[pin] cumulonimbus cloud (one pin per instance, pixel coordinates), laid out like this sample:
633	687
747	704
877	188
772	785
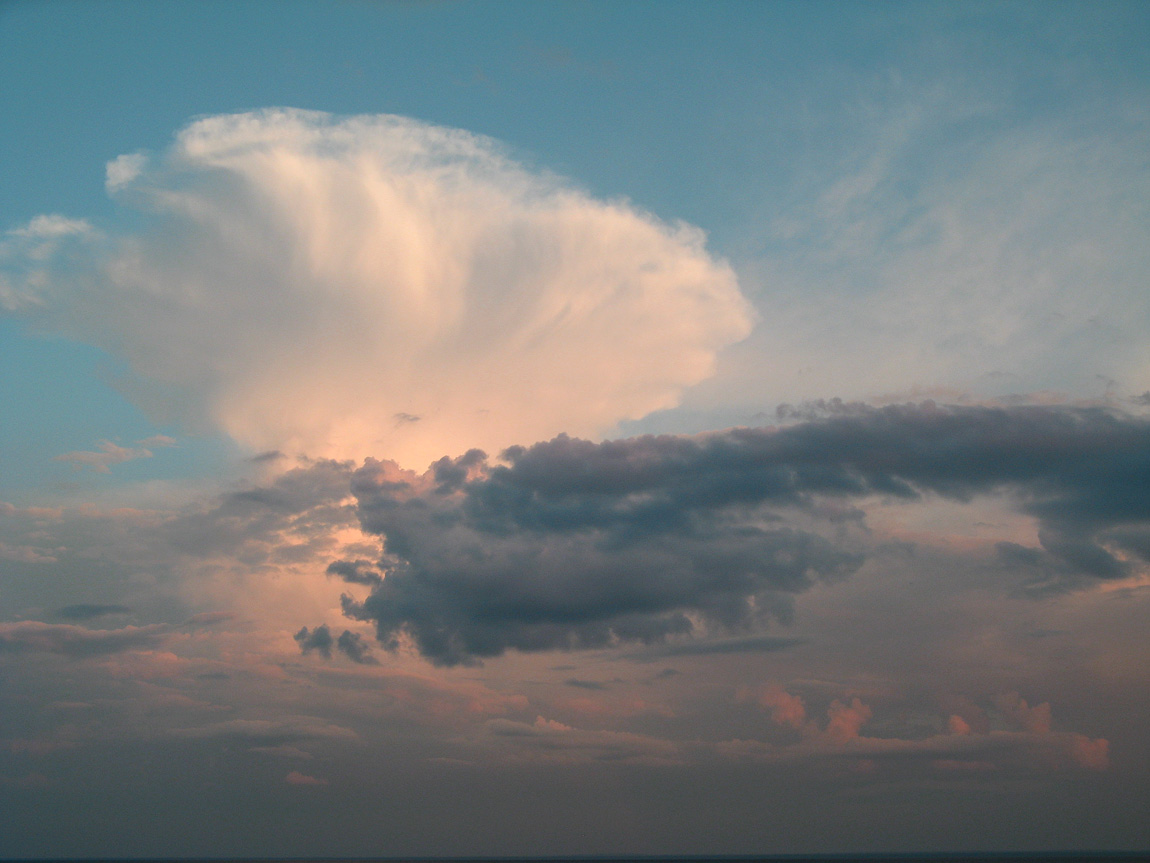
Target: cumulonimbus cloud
574	544
377	285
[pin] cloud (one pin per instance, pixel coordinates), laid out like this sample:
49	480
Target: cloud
297	778
107	455
475	572
355	571
48	227
313	284
25	554
936	253
748	644
32	636
574	544
786	709
960	750
319	640
267	733
123	170
88	611
352	645
209	618
594	685
845	721
1035	719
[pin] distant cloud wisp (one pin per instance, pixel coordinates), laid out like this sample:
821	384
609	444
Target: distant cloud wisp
32	636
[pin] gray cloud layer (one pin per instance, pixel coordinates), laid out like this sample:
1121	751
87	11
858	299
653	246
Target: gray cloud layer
575	544
32	636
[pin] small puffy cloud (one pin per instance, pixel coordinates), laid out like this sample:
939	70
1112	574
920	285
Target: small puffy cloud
786	709
318	639
955	724
355	647
845	721
123	170
373	284
350	644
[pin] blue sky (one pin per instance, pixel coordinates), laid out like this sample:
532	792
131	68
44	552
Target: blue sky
875	272
737	118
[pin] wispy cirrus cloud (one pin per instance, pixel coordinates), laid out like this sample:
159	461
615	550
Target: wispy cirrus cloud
107	453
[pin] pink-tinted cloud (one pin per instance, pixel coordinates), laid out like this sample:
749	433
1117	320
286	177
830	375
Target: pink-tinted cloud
297	778
105	456
1034	719
1092	754
844	722
957	725
786	709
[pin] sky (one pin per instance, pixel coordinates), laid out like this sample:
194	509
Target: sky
573	428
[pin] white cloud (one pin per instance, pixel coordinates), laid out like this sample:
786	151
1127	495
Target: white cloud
313	284
123	169
44	227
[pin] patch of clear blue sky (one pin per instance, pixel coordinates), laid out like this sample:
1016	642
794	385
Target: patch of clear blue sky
724	114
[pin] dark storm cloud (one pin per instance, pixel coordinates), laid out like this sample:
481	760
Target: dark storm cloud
352	645
249	524
318	639
356	571
574	544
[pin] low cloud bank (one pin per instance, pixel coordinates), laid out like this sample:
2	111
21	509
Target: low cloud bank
573	544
